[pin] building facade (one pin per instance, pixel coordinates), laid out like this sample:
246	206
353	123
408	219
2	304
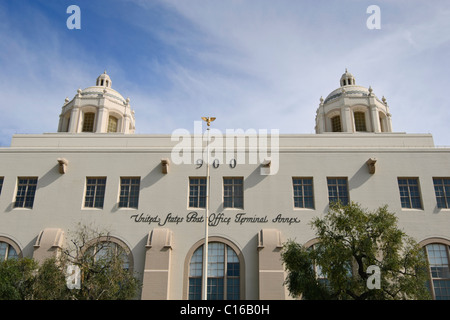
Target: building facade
149	191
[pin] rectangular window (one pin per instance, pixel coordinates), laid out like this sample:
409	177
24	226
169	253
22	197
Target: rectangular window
197	192
303	193
336	124
360	121
26	190
88	122
233	274
195	275
233	193
95	192
195	288
129	192
338	190
442	190
409	193
112	124
439	270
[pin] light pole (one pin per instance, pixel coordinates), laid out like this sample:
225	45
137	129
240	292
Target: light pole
205	247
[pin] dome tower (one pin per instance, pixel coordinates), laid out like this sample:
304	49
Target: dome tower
352	108
97	109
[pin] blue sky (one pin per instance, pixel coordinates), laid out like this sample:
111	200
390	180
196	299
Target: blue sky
253	64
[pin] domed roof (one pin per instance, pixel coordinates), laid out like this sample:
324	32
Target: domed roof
98	90
348	86
353	90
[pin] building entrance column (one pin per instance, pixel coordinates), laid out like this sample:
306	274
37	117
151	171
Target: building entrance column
271	271
156	279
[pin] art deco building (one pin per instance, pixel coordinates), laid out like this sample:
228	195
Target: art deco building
149	191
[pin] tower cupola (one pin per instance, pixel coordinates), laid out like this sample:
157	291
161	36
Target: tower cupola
347	79
103	80
352	109
97	109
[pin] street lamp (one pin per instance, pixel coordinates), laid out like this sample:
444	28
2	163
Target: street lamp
205	247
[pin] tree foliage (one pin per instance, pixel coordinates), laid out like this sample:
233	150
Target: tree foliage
17	279
50	281
104	274
350	240
102	270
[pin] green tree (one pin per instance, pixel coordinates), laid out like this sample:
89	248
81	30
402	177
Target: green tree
17	277
103	266
104	272
350	240
50	281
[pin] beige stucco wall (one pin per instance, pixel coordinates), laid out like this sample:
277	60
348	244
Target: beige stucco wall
59	197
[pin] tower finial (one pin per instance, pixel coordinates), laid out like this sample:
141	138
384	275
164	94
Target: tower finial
347	79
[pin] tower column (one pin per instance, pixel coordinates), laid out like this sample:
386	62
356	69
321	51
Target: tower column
126	123
389	122
347	125
375	119
101	114
74	114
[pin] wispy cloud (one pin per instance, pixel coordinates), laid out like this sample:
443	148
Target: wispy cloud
252	64
286	58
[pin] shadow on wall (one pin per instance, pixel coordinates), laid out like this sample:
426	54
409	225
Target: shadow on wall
361	176
47	179
152	177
